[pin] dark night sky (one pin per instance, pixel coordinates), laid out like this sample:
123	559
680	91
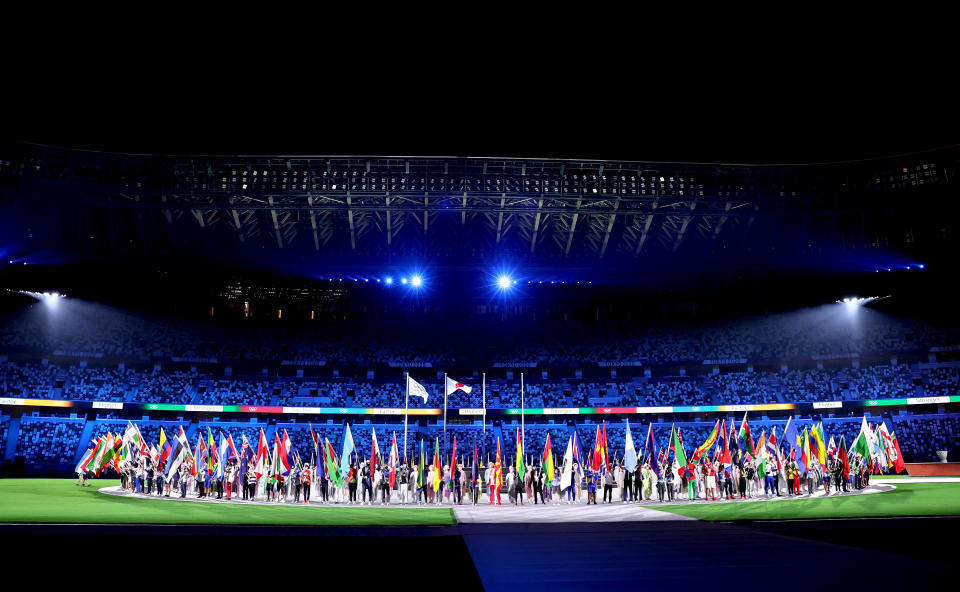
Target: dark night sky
799	110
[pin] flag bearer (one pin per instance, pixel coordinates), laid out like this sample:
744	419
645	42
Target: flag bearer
305	480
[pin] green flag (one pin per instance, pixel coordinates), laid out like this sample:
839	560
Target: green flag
420	468
862	443
678	452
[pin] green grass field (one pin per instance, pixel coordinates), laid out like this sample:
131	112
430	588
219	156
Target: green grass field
61	500
908	499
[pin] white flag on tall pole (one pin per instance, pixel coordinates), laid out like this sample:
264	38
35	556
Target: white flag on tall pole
453	386
416	389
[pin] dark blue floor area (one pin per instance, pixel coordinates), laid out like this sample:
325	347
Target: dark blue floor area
676	555
785	555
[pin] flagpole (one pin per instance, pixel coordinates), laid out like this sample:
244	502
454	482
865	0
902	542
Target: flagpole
522	429
484	389
444	409
406	409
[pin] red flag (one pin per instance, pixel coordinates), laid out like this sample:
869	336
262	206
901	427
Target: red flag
898	461
232	447
374	450
606	448
393	461
842	455
262	452
725	458
597	454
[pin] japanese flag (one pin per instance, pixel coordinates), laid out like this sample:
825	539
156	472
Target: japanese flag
453	386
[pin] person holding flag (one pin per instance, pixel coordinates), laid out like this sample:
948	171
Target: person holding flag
495	480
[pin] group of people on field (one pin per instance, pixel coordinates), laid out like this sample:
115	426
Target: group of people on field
366	485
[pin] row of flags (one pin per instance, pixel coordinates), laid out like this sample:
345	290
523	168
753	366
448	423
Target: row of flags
876	443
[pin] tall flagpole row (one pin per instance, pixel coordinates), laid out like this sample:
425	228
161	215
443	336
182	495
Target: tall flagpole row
484	391
406	409
522	429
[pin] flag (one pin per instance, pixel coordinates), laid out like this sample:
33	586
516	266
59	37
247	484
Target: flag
393	461
898	464
747	437
733	441
313	437
289	451
374	450
578	456
842	455
629	452
600	456
224	449
649	446
878	448
437	467
181	448
416	389
725	451
498	468
548	462
678	453
453	386
520	465
81	466
233	449
263	450
705	447
761	456
817	446
347	451
566	472
832	448
422	467
211	453
196	467
453	461
164	447
773	447
791	436
863	442
806	456
333	469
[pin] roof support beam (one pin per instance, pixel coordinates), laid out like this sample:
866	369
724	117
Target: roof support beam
573	228
353	236
503	203
606	235
536	227
313	224
276	224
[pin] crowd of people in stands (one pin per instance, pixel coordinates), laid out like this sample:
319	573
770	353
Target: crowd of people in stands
174	386
98	329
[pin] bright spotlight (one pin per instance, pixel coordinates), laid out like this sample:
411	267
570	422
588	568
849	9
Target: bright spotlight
920	266
388	281
504	282
416	281
403	281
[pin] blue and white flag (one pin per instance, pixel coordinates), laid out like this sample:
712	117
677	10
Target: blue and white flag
222	455
347	451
